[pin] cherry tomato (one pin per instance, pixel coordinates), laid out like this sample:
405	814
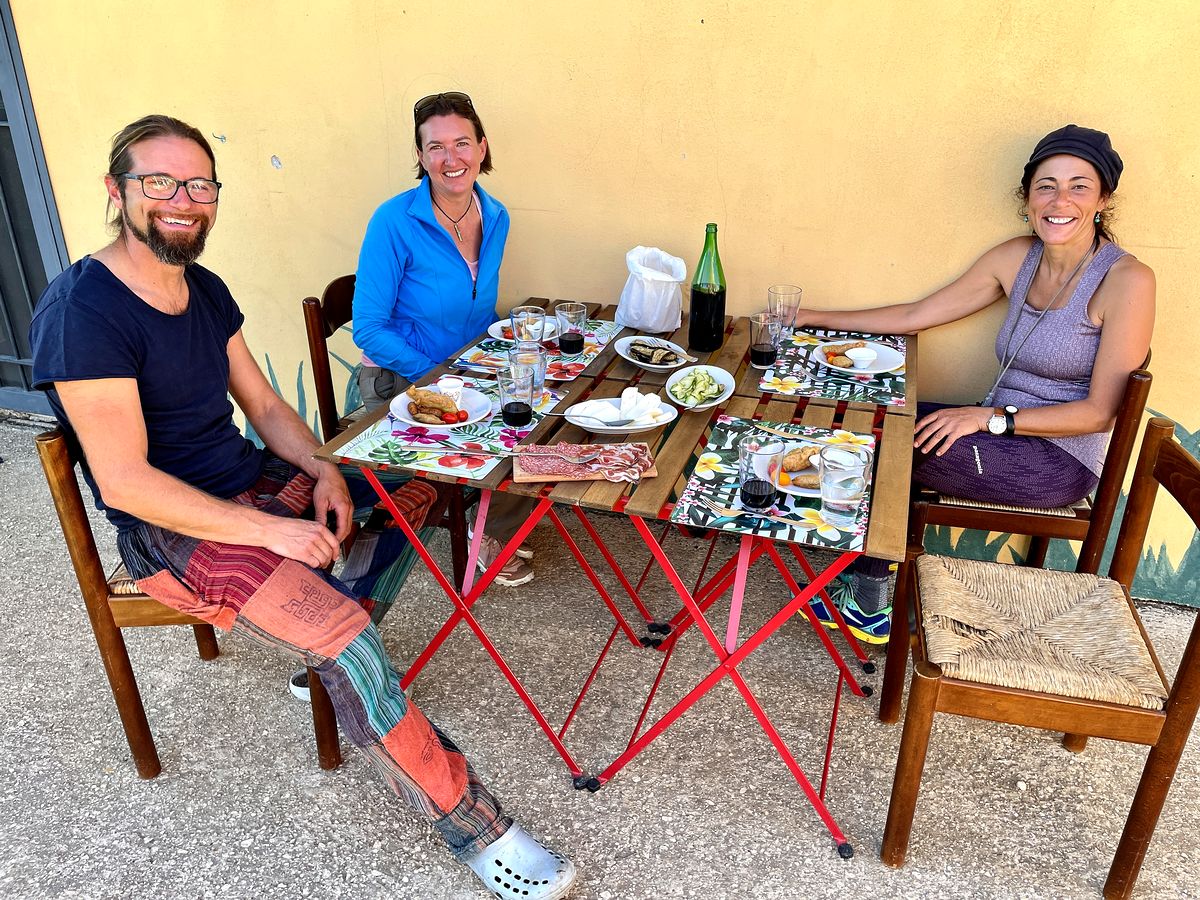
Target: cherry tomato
463	415
450	418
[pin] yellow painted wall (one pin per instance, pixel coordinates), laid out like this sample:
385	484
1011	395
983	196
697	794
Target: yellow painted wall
865	150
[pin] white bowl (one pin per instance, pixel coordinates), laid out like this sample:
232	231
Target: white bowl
862	357
720	376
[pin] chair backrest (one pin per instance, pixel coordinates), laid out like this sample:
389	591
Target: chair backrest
321	319
55	456
1162	461
1116	464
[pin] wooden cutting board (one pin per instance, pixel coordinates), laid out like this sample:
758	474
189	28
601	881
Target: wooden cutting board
520	476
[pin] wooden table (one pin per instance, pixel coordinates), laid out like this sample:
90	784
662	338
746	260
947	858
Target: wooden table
674	447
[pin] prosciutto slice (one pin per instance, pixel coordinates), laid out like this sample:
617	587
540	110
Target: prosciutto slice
616	462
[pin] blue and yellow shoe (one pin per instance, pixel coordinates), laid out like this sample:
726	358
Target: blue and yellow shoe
822	613
870	628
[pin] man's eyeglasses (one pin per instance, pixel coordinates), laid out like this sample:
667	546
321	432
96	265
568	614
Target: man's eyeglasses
455	96
163	187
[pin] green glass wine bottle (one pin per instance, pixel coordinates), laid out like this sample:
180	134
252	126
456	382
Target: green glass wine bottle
706	318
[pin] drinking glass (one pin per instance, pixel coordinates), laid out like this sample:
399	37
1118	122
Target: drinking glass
528	323
784	301
759	464
845	471
572	323
765	331
533	355
516	396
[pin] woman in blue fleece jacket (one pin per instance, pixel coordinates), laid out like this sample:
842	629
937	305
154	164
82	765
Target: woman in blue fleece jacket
428	277
429	269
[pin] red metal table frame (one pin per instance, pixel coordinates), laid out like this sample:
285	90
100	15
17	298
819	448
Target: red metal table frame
647	502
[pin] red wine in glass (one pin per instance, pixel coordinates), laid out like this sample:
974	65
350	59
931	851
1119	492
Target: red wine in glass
758	494
516	414
570	343
762	356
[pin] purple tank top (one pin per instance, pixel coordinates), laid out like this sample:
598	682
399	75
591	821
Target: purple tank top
1055	364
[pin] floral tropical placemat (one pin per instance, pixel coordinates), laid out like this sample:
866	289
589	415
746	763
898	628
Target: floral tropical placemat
715	479
491	354
796	373
465	451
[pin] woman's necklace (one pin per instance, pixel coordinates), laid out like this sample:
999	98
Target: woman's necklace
1006	361
453	221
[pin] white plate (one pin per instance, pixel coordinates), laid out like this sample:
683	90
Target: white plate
801	491
549	330
475	403
622	348
669	415
720	376
887	359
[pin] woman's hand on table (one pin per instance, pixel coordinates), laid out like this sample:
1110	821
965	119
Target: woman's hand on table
938	431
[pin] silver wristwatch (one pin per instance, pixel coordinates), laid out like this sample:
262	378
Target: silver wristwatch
1003	423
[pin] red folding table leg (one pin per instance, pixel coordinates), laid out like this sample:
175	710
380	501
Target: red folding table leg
591	574
727	666
867	665
463	610
818	628
612	564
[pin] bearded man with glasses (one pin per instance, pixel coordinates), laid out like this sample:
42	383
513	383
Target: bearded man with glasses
138	348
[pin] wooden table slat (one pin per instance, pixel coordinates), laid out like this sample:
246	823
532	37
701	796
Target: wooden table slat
860	421
887	531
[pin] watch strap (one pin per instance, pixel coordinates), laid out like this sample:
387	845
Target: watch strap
1010	423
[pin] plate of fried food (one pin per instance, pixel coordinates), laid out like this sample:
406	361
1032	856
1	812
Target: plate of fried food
429	406
799	476
878	358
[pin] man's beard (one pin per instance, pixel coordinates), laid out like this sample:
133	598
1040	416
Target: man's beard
182	252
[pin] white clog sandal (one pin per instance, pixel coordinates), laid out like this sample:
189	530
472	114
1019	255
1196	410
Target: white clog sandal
517	866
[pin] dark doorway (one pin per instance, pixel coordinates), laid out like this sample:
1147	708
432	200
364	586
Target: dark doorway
32	250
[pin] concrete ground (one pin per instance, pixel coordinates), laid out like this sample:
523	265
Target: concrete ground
242	811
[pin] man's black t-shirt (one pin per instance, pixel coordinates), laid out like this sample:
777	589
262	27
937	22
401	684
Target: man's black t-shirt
89	325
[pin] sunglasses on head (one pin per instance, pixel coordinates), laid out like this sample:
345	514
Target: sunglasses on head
454	96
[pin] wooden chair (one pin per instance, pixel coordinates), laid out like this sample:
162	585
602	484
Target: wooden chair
1091	516
323	317
114	603
980	652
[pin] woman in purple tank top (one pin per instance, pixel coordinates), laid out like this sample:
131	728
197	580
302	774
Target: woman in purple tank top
1080	316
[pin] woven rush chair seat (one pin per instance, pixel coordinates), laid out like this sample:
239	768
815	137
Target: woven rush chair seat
1037	630
1067	512
121	583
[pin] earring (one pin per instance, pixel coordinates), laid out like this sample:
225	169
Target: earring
1026	218
1097	219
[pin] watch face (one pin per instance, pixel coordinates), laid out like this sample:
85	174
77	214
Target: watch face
996	425
1011	410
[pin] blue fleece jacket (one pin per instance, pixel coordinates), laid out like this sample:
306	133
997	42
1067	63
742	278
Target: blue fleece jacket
414	300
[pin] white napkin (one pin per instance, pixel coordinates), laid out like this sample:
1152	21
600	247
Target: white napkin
642	409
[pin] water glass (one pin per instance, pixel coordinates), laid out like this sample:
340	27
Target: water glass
533	355
759	463
845	471
765	332
528	323
572	323
784	301
516	396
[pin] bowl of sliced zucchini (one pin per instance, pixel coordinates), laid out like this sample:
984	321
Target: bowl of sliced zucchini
700	387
